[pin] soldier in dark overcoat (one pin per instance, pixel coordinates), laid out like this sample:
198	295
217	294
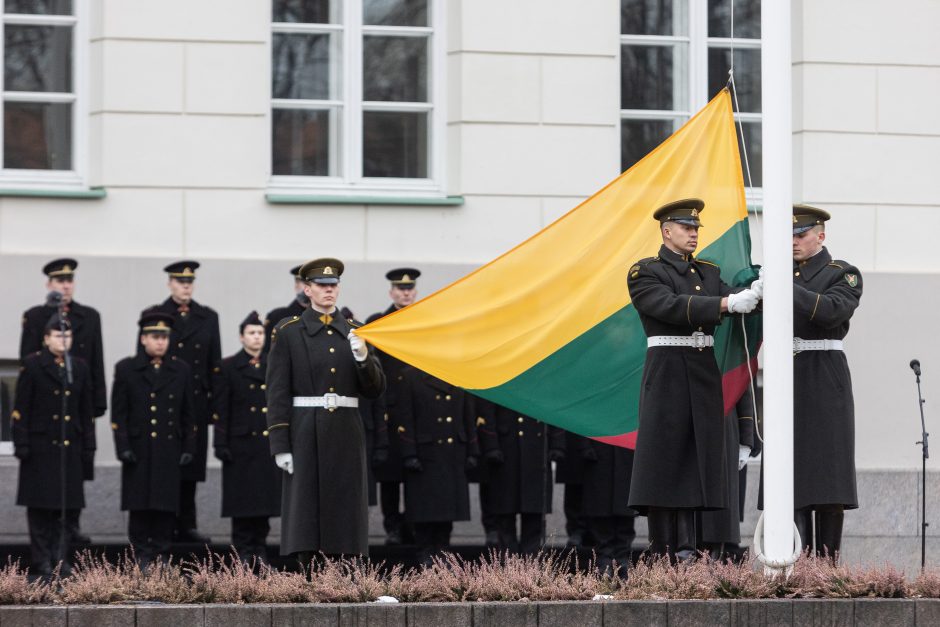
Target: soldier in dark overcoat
317	369
680	464
374	423
388	472
294	308
517	452
85	323
43	431
605	504
570	472
154	435
439	446
194	340
826	293
251	482
721	528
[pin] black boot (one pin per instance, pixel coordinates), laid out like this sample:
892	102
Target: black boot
686	537
829	531
662	531
804	524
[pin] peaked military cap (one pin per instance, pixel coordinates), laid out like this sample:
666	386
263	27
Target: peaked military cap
295	271
325	270
60	268
56	322
685	211
155	321
806	217
251	319
403	277
182	270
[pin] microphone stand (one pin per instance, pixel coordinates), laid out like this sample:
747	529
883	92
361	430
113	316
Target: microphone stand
66	383
923	492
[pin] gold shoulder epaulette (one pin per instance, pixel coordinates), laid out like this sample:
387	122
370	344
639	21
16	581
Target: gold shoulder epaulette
707	262
353	323
833	263
291	321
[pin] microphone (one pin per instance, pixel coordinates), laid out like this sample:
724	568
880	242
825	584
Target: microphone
53	298
915	366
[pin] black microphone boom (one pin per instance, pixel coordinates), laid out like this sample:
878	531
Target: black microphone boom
53	298
915	366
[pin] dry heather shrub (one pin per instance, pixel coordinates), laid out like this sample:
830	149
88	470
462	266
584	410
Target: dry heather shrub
818	577
216	580
16	589
347	580
927	585
655	578
95	580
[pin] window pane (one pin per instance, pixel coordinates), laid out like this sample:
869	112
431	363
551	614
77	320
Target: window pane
638	137
746	75
37	136
746	18
43	7
395	144
653	77
755	152
306	11
301	141
395	12
395	69
301	67
37	58
654	17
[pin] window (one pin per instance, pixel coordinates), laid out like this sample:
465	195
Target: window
675	56
43	113
356	90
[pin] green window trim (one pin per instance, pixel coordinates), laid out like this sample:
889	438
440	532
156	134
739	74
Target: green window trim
75	194
314	199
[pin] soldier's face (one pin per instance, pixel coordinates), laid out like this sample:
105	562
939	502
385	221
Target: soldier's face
253	338
58	342
322	295
155	344
181	291
402	296
681	238
808	243
65	286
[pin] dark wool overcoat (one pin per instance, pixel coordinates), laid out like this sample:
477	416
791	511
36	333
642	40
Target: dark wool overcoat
324	503
680	459
195	340
278	315
251	483
38	420
438	427
151	415
391	470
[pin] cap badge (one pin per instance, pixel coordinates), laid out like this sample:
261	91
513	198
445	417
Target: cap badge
794	220
161	324
694	213
187	270
406	278
328	270
66	268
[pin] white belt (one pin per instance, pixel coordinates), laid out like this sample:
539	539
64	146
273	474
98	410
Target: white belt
800	345
330	401
696	340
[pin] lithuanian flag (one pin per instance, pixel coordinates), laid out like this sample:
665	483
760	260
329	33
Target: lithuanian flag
548	329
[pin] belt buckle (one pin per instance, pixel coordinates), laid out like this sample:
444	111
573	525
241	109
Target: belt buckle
796	345
332	400
698	340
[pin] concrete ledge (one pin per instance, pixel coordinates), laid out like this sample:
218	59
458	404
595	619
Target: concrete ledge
758	612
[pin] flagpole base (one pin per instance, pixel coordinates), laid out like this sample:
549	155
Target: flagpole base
776	567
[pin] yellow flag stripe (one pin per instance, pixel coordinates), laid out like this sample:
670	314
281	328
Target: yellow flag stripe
508	315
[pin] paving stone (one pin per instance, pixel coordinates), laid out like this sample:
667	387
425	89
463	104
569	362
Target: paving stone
927	612
567	613
373	615
436	614
762	613
305	615
238	615
652	613
170	615
496	614
101	615
885	613
699	613
824	612
26	616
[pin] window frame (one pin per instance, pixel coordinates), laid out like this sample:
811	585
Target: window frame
58	180
351	182
699	43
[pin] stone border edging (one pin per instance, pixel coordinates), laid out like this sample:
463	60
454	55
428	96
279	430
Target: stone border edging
758	612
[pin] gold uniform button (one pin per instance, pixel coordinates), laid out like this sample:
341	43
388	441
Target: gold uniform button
332	389
439	419
66	442
55	416
254	433
400	377
170	422
264	387
332	350
56	392
449	419
153	421
153	408
447	397
520	419
170	410
450	440
333	370
332	409
437	397
180	345
329	332
68	392
521	434
264	433
692	270
698	288
797	273
171	396
153	434
257	365
153	395
253	408
251	387
264	410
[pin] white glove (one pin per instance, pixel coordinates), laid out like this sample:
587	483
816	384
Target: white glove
358	345
744	453
757	286
742	302
285	461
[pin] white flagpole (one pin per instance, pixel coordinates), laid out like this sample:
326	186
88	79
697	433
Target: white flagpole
776	72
